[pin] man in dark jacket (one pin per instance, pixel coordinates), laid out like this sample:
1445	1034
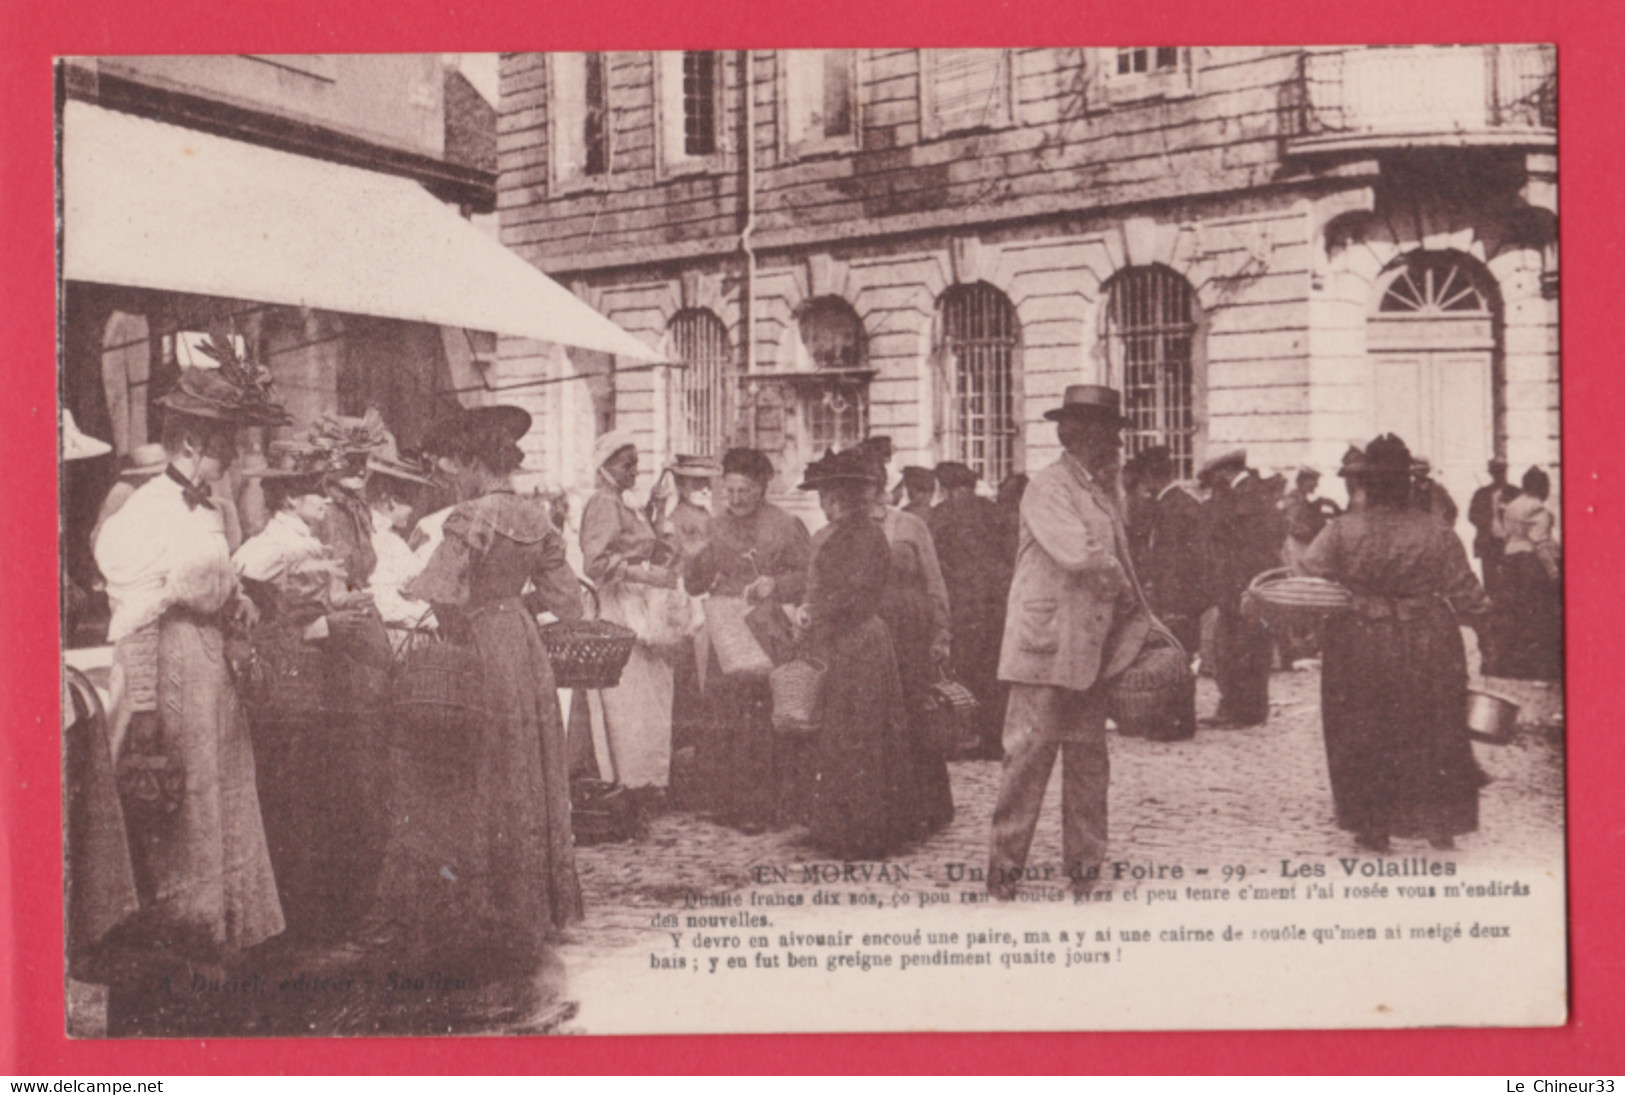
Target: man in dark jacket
1245	531
970	548
1175	567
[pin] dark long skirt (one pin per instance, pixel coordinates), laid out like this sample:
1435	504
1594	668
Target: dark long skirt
907	615
1393	694
1529	621
862	804
741	770
480	861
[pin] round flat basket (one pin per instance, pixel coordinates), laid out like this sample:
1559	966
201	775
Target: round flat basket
587	653
1280	598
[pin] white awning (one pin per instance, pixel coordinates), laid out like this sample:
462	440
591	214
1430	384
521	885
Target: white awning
156	206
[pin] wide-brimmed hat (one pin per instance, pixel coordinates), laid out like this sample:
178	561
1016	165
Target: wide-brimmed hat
1089	403
238	391
297	466
77	445
1385	456
1234	458
144	461
834	468
504	418
400	467
878	445
692	466
952	475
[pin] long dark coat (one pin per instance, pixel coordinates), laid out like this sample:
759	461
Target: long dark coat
1394	678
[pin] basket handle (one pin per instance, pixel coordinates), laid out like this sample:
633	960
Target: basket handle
591	591
1273	575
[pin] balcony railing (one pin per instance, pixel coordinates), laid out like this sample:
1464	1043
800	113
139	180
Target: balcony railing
1419	95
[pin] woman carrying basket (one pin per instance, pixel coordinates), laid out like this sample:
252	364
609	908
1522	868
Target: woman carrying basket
864	790
1394	682
480	863
758	552
619	553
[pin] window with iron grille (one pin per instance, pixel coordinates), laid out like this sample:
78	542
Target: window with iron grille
979	340
699	103
837	408
700	341
1151	336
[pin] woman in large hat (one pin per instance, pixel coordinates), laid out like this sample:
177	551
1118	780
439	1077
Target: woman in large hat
202	869
1394	676
480	865
316	775
864	787
759	552
620	552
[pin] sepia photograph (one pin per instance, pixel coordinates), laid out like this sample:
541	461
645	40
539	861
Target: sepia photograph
811	540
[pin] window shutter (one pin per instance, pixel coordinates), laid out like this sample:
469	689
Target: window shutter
968	87
670	64
569	105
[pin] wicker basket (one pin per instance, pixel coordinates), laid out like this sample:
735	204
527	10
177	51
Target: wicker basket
1150	696
1280	599
587	653
797	691
437	684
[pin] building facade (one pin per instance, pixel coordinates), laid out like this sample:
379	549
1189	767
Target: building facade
1287	249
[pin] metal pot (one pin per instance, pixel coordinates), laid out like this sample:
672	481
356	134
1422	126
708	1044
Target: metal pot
1490	718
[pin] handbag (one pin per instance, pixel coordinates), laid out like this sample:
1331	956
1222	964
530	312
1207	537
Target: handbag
151	781
950	711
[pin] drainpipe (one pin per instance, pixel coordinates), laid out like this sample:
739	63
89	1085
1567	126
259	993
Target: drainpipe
748	296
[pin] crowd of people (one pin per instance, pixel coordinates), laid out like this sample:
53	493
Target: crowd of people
275	786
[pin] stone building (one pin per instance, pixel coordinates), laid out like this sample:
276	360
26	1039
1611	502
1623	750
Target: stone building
1288	249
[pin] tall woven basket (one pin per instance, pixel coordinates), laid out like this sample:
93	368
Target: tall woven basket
437	685
1150	695
797	688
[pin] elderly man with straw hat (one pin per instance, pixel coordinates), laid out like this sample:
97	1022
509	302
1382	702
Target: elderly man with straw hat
1076	617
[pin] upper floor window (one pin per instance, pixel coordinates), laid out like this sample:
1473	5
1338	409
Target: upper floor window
1142	60
579	124
1133	73
689	95
964	89
818	100
1151	336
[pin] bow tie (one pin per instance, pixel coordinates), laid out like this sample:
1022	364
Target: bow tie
194	495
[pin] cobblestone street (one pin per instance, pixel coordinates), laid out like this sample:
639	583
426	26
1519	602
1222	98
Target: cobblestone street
1229	797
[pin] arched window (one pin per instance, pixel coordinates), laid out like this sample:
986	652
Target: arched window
978	339
1151	336
700	341
1435	283
833	338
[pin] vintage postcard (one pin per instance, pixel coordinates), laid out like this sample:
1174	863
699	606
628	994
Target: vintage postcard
811	540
